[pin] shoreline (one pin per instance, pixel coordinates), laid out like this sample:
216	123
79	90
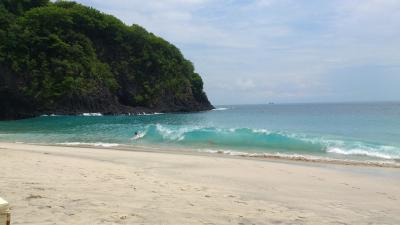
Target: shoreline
226	153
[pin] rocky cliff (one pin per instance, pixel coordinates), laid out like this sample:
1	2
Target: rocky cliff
65	58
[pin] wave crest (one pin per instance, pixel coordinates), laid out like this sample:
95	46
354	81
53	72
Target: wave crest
262	140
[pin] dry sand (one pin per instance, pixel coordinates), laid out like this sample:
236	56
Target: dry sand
70	185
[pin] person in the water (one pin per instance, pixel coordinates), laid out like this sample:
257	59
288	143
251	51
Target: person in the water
136	135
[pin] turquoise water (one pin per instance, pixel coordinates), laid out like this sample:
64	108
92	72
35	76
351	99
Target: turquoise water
340	131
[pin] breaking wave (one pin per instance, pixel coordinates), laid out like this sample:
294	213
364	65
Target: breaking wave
262	140
220	109
92	114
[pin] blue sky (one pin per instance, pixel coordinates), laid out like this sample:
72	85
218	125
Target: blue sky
258	51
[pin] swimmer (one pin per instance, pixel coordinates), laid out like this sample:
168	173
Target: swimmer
137	135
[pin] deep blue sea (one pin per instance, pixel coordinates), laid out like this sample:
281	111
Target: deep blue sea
355	131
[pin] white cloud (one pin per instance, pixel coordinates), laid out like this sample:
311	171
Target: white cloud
287	50
245	84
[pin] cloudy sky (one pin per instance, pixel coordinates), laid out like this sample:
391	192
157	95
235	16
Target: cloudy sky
258	51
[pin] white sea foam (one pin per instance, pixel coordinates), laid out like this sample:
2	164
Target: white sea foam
299	157
44	115
264	154
174	135
92	114
147	114
152	114
225	152
220	109
360	152
139	135
96	144
261	131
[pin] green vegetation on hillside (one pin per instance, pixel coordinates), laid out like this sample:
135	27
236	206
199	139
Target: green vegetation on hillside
67	56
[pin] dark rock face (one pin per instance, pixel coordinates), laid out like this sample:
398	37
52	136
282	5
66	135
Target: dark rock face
15	105
65	58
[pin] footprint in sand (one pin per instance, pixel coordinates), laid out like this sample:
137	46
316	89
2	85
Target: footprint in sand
39	188
261	210
123	217
83	175
136	215
31	196
30	183
230	196
241	202
119	178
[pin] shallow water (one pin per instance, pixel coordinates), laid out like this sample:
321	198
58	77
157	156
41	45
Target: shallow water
357	131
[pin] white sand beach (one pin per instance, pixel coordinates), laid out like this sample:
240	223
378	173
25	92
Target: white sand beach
48	185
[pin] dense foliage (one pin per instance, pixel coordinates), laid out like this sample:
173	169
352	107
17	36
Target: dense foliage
64	57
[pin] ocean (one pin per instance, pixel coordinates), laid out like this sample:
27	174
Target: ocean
345	131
